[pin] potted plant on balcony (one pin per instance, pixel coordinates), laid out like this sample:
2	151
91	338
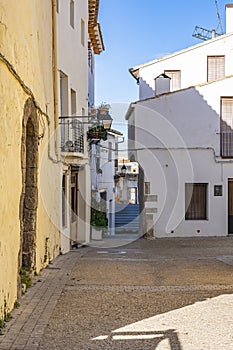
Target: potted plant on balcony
103	108
99	221
97	132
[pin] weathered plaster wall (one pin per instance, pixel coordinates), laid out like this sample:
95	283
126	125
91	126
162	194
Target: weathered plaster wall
26	42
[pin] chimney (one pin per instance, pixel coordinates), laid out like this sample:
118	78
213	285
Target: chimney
229	18
162	84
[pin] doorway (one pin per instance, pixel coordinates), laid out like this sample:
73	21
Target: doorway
230	206
74	205
29	196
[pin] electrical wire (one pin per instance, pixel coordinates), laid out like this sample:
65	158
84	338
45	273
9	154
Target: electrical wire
41	113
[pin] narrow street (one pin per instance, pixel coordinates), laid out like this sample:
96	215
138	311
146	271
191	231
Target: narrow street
160	294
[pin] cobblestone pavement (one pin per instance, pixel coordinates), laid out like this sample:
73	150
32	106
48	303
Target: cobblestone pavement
173	294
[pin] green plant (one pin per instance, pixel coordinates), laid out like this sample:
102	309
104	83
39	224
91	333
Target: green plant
16	304
97	132
98	214
25	278
46	250
2	325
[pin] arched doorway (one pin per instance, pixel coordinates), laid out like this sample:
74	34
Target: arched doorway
29	196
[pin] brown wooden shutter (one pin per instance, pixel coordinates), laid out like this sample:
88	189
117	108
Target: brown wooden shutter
215	67
227	127
195	201
175	76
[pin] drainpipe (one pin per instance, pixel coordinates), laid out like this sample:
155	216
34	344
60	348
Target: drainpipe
55	79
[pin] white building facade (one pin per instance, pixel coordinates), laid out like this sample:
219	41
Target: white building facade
183	140
76	36
104	157
191	66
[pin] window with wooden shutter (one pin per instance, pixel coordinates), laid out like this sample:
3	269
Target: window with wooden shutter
215	67
196	201
72	13
175	76
227	127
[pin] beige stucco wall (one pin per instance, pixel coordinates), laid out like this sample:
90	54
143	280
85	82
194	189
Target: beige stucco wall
26	42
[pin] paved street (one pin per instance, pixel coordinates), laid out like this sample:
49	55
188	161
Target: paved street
160	294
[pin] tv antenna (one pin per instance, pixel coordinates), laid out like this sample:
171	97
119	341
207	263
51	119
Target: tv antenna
206	34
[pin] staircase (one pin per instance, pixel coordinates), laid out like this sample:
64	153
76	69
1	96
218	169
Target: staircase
126	218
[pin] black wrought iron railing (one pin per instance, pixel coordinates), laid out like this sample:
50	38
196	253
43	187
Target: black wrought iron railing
226	144
72	134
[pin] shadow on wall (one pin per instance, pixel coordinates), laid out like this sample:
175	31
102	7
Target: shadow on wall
145	90
182	120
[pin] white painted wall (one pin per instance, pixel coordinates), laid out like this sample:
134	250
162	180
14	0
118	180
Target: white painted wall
169	185
193	113
91	77
105	181
72	55
177	141
73	62
229	18
191	61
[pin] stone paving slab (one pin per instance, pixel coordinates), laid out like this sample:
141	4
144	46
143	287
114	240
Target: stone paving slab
28	322
83	303
125	288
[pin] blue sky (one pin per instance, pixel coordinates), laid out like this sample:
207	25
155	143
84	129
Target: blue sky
137	31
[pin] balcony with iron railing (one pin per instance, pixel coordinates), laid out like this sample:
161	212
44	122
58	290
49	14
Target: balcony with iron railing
72	135
226	144
76	130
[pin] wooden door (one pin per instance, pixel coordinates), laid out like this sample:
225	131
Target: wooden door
74	205
230	206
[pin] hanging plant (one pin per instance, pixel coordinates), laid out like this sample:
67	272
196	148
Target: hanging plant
97	132
103	108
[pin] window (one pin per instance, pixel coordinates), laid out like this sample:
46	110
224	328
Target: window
147	187
97	159
74	196
215	67
73	102
116	155
82	32
226	128
72	13
175	76
196	201
63	94
132	195
109	151
64	201
90	57
217	190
